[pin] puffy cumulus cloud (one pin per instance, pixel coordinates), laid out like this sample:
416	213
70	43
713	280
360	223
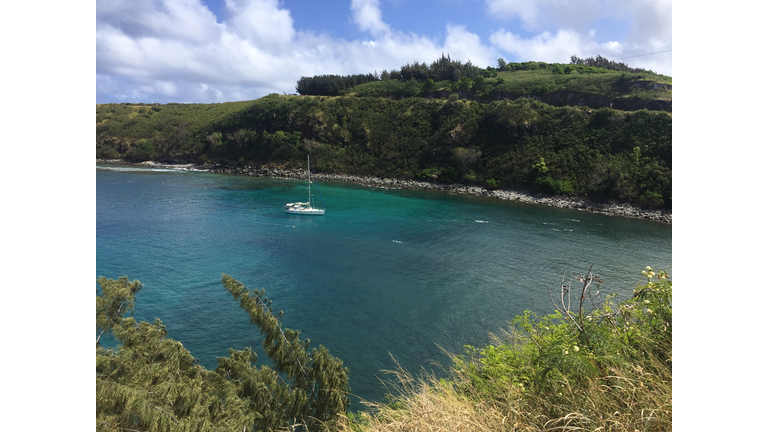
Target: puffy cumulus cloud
185	20
150	51
261	22
399	48
174	50
566	28
367	15
528	11
464	45
651	23
557	48
537	15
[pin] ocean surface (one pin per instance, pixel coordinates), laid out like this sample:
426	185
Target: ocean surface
384	275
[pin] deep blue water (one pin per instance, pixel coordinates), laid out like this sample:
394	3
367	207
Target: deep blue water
382	272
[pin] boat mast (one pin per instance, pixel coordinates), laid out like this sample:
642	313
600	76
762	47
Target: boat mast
309	185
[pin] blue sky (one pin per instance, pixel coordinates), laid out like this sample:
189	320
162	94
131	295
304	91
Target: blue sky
226	50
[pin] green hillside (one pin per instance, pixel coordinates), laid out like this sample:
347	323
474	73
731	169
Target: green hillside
539	128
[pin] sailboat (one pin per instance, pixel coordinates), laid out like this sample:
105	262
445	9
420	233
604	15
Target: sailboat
305	208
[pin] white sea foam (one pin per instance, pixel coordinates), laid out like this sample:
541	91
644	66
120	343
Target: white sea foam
145	169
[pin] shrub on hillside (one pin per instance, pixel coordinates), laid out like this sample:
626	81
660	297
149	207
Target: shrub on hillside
651	199
552	186
142	150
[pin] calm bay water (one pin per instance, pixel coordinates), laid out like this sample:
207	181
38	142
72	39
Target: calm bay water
383	272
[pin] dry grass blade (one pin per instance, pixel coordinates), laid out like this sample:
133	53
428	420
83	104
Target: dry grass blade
426	404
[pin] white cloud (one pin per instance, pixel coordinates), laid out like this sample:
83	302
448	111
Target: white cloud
651	23
566	28
526	10
537	15
155	54
464	45
367	15
557	48
185	20
244	56
262	22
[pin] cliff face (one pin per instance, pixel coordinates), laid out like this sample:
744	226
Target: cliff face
634	104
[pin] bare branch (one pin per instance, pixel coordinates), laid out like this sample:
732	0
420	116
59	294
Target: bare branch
562	311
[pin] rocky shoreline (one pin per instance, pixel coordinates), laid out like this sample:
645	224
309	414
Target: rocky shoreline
606	208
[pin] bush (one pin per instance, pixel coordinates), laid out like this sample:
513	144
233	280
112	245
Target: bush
449	175
651	199
429	173
142	150
540	89
107	153
552	186
601	366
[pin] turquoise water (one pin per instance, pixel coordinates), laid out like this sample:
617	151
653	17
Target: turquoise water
382	272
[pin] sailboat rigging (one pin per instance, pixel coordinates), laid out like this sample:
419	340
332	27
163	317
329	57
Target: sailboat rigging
305	208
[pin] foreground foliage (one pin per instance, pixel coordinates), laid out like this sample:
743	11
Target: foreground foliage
600	366
592	365
150	382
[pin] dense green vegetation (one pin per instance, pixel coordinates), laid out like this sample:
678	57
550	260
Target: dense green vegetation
144	131
603	153
595	77
150	382
604	63
412	124
331	85
592	365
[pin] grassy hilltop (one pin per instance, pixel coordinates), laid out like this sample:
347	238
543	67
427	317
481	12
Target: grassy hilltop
555	128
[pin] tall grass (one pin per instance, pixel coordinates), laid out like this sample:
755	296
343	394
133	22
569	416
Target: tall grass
634	400
427	404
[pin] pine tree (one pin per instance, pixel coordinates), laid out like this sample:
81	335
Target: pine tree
320	377
150	382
